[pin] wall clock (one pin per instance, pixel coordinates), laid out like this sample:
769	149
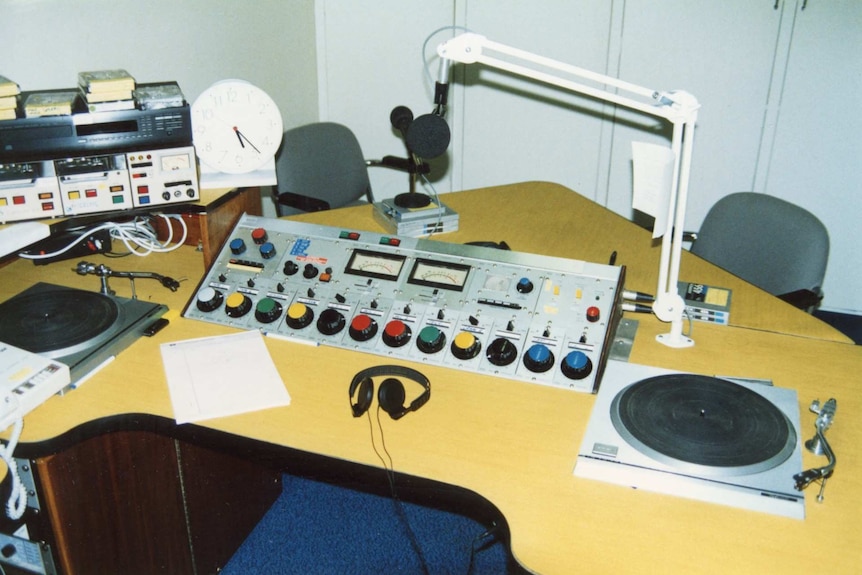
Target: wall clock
236	126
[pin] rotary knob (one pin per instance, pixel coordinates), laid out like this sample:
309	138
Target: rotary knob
330	322
501	352
258	235
267	250
237	246
593	314
430	339
209	299
267	310
465	346
396	333
237	305
309	271
362	328
576	365
298	315
538	358
524	285
290	268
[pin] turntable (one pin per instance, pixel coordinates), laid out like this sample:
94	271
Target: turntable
724	441
79	328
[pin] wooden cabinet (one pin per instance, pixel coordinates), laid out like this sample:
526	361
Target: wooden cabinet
137	502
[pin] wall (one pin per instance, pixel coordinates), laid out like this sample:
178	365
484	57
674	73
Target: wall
270	43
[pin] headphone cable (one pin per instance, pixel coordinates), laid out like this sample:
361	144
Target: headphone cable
396	501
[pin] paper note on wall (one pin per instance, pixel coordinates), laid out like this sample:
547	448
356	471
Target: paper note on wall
653	177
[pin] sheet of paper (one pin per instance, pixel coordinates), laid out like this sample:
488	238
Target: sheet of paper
220	376
653	175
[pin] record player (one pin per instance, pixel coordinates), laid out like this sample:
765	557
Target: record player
728	441
79	328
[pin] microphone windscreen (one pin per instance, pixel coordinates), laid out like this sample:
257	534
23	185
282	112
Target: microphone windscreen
428	136
401	117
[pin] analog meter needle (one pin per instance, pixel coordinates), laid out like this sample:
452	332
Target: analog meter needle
243	140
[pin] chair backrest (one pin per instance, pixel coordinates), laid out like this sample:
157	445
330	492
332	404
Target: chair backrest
323	160
771	243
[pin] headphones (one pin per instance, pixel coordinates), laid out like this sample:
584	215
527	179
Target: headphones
390	393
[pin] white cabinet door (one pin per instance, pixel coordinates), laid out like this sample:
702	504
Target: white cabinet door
369	60
720	52
816	155
509	129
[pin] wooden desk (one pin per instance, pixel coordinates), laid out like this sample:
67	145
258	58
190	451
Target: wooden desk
515	444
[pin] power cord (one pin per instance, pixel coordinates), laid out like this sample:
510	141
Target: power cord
139	236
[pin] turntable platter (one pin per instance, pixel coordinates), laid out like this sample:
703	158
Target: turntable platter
79	328
55	322
703	425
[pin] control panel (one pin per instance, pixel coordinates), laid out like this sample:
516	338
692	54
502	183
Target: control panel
518	316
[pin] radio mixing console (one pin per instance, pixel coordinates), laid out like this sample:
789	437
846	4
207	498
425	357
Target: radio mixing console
526	317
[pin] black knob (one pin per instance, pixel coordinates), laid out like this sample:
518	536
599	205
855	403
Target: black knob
524	285
330	322
501	352
290	268
309	271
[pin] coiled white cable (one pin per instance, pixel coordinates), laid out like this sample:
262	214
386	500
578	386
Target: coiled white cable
138	236
17	503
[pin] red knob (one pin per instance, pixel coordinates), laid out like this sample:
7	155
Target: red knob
593	314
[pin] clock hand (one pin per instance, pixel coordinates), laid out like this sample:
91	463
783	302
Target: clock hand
240	136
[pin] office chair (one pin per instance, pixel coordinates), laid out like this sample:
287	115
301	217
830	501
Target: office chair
771	243
320	166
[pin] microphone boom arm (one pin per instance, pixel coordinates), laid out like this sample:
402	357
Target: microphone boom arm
677	107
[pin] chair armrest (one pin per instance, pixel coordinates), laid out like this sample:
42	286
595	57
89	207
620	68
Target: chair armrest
300	202
802	298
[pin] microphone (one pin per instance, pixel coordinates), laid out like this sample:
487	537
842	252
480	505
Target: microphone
401	117
428	135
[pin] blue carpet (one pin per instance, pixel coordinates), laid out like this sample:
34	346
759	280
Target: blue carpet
317	528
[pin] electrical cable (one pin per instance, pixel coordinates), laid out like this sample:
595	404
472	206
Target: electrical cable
396	501
425	50
17	503
139	237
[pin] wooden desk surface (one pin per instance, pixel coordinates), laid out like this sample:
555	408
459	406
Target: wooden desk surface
515	444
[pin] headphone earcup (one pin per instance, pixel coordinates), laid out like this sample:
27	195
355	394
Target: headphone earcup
390	396
364	397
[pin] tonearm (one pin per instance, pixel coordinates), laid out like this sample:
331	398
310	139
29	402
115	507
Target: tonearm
819	446
104	272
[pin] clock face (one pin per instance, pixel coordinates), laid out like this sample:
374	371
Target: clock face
236	127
